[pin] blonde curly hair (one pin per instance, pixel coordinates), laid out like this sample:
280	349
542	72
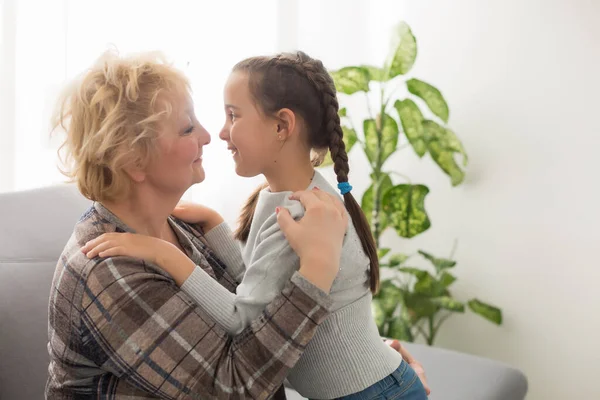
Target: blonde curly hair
111	116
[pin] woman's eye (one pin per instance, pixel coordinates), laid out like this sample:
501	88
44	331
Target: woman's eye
189	130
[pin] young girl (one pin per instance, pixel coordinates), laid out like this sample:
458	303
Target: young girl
279	109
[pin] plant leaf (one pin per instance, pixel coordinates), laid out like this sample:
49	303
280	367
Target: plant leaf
375	73
432	97
342	112
442	144
418	273
419	306
389	139
397	259
350	80
399	328
489	312
349	139
378	313
381	252
371	141
385	183
390	297
403	51
426	284
446	279
439	263
449	303
405	206
412	124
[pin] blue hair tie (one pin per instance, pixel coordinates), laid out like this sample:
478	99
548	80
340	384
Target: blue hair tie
344	187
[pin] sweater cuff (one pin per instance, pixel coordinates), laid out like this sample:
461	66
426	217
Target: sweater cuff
196	285
320	297
220	240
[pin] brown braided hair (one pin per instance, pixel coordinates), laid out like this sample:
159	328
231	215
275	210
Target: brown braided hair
303	85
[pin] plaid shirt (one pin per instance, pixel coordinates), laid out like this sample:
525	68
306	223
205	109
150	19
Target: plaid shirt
120	328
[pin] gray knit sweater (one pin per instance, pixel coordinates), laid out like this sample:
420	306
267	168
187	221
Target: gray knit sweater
346	354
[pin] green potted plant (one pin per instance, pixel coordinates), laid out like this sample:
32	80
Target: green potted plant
414	301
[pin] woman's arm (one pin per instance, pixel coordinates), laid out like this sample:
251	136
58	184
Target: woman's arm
272	264
147	331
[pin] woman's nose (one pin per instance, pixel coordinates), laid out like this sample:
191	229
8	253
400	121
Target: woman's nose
203	137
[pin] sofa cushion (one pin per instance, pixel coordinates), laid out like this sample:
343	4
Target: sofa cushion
36	225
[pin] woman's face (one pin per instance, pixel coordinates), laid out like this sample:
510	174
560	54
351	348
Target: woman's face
178	164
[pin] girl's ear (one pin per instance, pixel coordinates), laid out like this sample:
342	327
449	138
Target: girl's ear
286	123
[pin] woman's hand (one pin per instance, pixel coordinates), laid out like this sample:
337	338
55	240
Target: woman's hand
193	213
318	237
415	365
157	251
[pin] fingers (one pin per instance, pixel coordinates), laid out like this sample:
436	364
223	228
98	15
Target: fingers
418	368
285	221
405	354
415	365
112	252
394	344
184	213
99	249
308	198
102	243
324	196
95	242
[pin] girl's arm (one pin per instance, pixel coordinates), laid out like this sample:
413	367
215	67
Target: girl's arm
217	234
272	264
157	251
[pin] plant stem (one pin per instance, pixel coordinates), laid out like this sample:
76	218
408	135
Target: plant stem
402	176
422	332
376	223
439	324
393	91
454	245
432	331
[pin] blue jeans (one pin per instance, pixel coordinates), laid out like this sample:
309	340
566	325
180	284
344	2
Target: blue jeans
402	384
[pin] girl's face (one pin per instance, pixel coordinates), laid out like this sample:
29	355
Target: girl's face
178	164
251	136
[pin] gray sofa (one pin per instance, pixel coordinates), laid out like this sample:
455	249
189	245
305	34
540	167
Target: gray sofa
28	255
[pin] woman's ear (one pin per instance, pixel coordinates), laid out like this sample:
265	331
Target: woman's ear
286	124
135	173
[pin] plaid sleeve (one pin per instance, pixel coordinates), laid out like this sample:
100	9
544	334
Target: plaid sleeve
145	330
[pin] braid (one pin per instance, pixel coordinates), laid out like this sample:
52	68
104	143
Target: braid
314	71
332	136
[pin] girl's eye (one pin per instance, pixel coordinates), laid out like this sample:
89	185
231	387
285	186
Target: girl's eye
231	116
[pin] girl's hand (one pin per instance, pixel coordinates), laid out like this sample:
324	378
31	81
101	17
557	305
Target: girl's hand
124	244
193	213
154	250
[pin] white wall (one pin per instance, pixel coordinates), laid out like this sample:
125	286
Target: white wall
521	78
522	81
